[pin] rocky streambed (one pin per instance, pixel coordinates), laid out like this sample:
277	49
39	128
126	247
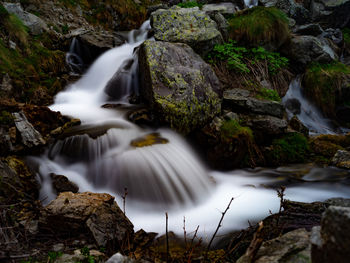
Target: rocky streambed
215	73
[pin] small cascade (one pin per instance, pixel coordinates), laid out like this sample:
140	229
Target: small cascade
108	152
297	104
74	57
251	3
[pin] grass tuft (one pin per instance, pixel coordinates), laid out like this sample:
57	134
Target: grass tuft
259	26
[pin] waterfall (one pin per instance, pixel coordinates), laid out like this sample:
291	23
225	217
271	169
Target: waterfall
297	104
161	172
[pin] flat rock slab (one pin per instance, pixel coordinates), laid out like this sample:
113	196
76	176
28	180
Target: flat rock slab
30	136
238	100
186	25
223	8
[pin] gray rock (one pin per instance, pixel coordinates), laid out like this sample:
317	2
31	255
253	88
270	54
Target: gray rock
221	22
6	84
331	13
35	24
341	159
12	45
58	247
343	202
332	244
30	136
335	35
179	86
267	124
225	9
119	258
291	8
309	30
293	247
238	100
298	126
307	49
186	25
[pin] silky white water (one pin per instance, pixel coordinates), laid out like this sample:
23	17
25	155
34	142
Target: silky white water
100	156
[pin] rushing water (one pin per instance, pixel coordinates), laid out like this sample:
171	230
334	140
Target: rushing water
102	155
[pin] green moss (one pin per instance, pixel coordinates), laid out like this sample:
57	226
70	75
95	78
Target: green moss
260	25
292	148
190	4
268	94
232	129
3	13
346	35
323	83
5	118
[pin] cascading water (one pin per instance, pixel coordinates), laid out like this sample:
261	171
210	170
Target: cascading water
104	155
297	104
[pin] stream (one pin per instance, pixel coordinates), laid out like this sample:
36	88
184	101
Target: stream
100	156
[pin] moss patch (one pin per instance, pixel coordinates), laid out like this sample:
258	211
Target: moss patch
260	25
190	4
268	94
323	83
292	148
148	140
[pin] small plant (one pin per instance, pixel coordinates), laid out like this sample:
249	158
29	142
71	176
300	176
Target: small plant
268	94
3	13
241	59
65	29
346	35
190	4
53	255
85	251
232	129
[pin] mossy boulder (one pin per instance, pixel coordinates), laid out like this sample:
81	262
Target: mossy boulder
328	85
178	85
186	25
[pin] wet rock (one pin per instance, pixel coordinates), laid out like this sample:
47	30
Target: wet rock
342	202
309	30
226	9
30	136
97	215
298	126
58	247
186	25
306	49
332	243
35	24
178	85
293	105
238	100
293	247
335	35
62	184
341	159
118	86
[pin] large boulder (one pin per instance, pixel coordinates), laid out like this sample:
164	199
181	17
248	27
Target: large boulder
97	215
239	100
306	49
293	247
225	9
35	24
179	86
331	242
186	25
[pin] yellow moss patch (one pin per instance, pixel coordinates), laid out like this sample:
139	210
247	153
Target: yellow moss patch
148	140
